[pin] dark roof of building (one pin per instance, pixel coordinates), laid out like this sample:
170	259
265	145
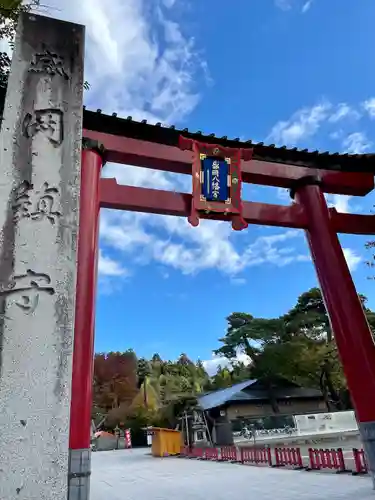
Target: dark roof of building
296	392
246	392
127	127
219	398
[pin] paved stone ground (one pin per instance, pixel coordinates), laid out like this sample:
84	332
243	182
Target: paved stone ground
134	475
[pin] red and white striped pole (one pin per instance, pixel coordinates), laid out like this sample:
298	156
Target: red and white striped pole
128	439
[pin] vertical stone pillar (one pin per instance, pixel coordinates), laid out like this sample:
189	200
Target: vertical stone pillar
40	155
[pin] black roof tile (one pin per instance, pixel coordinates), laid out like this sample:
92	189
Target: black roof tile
169	136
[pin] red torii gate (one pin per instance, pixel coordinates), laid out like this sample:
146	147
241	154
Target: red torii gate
40	165
308	175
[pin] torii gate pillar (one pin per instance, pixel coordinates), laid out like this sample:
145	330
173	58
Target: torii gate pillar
40	160
348	321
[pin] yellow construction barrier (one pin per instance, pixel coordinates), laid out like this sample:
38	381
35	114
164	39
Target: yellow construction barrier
165	442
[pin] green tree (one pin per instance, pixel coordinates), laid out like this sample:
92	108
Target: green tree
143	370
370	245
156	359
222	379
9	14
309	317
298	346
184	360
247	334
4	69
114	383
240	372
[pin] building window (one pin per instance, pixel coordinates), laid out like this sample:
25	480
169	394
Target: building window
285	402
200	436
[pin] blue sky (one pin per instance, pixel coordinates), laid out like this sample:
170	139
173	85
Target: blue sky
292	72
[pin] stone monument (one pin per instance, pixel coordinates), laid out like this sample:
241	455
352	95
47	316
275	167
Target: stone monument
40	157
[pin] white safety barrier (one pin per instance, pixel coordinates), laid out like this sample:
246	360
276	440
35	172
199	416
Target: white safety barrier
326	422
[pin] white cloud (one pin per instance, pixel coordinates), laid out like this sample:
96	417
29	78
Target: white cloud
4	42
306	122
211	365
111	274
352	258
164	274
287	5
138	60
142	66
5	47
340	202
172	242
265	250
283	4
306	6
149	178
369	106
123	230
145	66
301	125
283	194
342	111
110	267
336	135
238	281
356	143
169	3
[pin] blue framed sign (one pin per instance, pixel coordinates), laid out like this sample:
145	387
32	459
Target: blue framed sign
215	179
